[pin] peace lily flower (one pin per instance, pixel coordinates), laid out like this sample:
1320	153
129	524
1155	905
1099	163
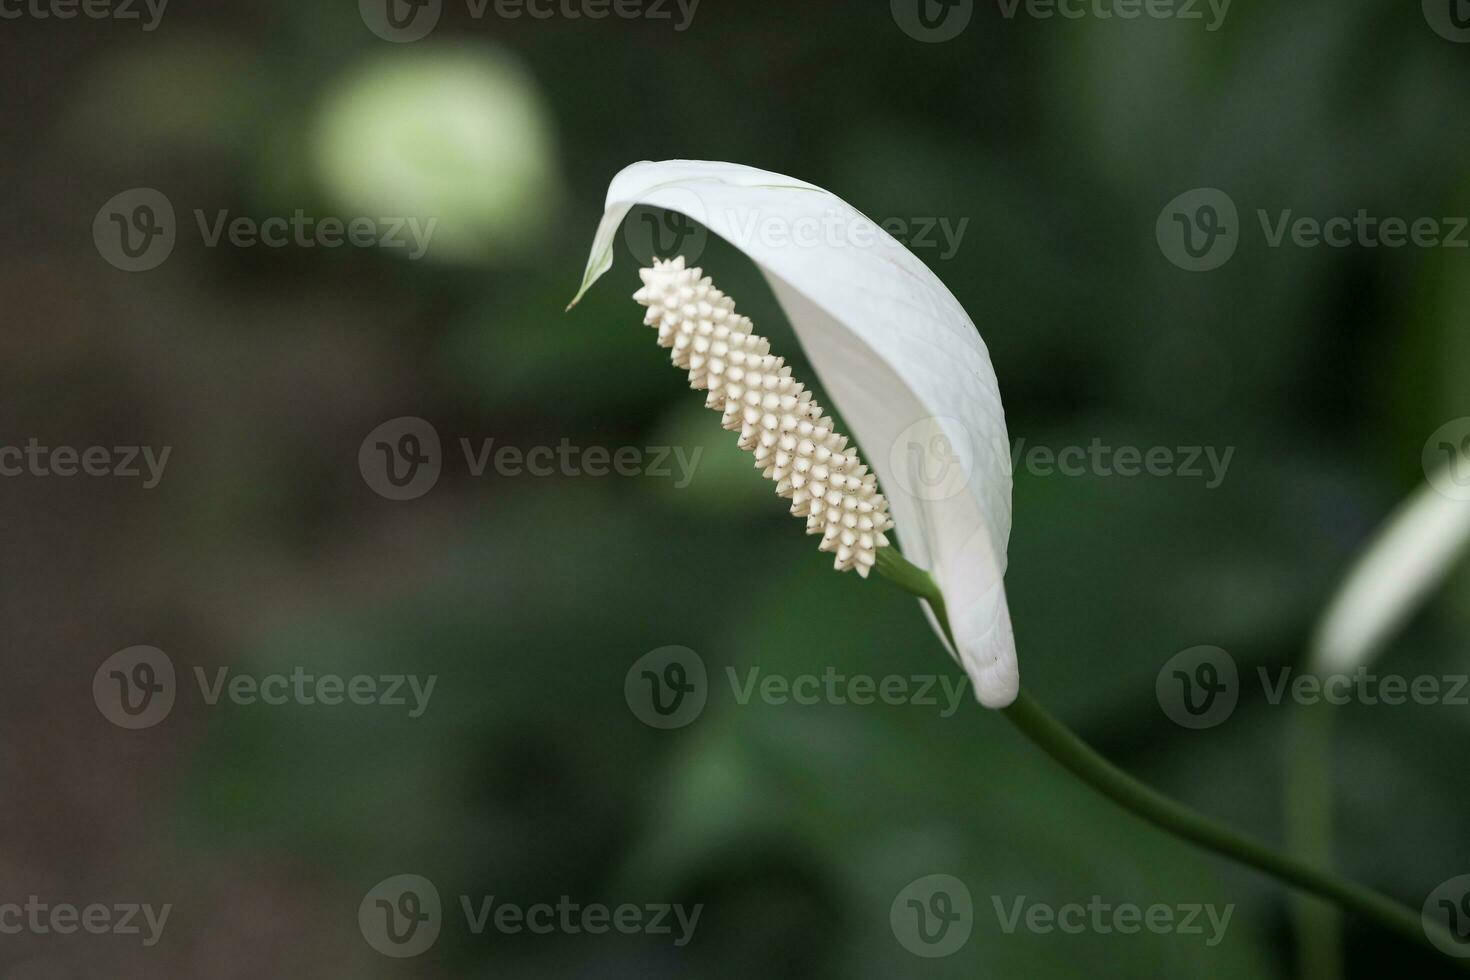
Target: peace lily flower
898	356
909	373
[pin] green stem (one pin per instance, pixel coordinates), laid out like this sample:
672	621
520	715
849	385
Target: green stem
1309	836
1065	747
1057	741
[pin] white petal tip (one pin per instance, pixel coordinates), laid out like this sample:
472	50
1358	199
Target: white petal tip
987	645
997	689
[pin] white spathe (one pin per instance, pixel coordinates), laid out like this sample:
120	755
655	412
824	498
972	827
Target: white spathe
1409	558
898	357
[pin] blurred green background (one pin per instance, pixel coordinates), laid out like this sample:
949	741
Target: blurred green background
528	777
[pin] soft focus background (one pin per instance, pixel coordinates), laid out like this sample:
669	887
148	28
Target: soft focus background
1058	144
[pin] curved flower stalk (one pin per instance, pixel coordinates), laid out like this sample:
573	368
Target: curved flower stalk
906	368
901	361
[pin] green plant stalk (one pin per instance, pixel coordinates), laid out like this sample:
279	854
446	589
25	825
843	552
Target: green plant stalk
1057	741
1309	833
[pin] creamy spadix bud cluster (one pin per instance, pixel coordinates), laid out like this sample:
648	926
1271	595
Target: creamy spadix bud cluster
793	440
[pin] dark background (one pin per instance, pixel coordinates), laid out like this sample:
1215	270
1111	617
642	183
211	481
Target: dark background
529	778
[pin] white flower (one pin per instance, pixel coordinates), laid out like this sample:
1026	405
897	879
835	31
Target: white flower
899	358
1407	560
